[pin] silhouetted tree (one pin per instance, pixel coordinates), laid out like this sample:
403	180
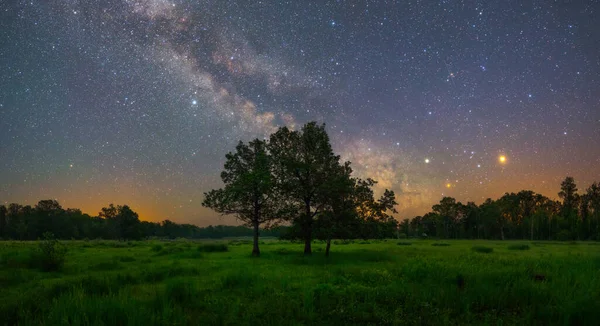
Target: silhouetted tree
122	221
303	165
249	191
3	221
568	193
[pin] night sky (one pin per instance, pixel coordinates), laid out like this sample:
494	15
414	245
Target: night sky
137	102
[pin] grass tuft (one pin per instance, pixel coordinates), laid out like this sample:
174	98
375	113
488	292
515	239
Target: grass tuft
213	247
403	243
482	249
518	247
440	244
157	247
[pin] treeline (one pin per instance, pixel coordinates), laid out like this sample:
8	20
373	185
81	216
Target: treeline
522	215
24	222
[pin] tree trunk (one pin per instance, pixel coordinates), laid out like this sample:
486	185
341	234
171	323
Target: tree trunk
531	228
328	246
502	232
255	250
307	242
307	229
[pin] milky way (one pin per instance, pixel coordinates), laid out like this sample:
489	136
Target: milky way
137	102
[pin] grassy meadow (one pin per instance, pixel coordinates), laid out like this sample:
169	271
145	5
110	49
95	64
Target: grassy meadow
392	282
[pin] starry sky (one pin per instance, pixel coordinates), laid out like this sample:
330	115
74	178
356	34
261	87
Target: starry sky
138	101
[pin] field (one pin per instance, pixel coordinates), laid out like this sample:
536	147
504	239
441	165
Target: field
389	282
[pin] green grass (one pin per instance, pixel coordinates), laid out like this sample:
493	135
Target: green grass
375	283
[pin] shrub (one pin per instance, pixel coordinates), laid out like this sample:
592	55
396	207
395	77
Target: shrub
213	247
126	259
482	249
402	243
157	248
50	254
179	291
440	244
518	247
170	250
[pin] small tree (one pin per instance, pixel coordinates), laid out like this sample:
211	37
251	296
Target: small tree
249	188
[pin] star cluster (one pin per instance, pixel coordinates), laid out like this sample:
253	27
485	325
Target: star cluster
138	101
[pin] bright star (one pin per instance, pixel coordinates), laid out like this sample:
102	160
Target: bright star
502	159
427	161
194	102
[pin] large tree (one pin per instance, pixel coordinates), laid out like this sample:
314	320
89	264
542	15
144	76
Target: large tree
303	169
249	191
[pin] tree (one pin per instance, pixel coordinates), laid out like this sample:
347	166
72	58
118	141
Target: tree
447	209
128	223
303	166
249	191
3	221
122	221
568	193
593	206
340	210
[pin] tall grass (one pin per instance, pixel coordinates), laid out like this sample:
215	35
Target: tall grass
379	283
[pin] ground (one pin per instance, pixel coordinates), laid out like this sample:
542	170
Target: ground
391	282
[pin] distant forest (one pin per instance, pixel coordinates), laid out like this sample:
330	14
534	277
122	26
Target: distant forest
20	222
522	215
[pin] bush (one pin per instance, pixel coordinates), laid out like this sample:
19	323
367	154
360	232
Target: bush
156	248
402	243
126	259
440	244
482	249
213	247
50	254
518	247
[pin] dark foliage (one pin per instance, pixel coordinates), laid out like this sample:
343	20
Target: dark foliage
482	249
213	247
50	254
522	215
